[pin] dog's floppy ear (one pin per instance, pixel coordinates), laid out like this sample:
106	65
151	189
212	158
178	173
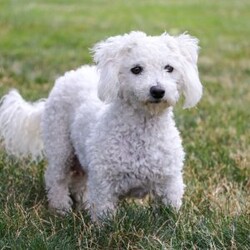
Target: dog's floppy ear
107	56
191	85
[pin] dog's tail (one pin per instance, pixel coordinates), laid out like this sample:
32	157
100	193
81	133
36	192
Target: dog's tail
20	126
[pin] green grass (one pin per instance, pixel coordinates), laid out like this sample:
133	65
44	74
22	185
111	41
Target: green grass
40	40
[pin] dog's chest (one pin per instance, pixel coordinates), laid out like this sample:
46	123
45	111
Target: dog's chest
144	151
138	149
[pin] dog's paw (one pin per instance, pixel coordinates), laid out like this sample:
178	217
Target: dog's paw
173	202
61	206
81	202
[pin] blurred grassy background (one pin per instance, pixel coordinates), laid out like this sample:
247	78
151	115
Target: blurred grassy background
40	40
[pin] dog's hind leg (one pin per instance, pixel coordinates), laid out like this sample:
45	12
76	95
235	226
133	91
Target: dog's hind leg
78	188
57	178
60	155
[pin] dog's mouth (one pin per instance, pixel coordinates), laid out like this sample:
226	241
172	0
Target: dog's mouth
155	101
160	102
156	106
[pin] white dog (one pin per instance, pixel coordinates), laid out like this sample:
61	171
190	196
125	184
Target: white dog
111	124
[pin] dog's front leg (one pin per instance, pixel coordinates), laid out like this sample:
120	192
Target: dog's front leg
101	199
171	190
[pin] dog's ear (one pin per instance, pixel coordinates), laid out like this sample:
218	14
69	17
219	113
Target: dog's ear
191	85
106	57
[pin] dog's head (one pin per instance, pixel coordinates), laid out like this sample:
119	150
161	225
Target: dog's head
149	70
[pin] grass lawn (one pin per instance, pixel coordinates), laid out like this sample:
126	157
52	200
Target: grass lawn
41	39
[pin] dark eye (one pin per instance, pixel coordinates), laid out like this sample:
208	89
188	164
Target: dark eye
169	68
137	70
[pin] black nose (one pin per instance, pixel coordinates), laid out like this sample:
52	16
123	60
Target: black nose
157	92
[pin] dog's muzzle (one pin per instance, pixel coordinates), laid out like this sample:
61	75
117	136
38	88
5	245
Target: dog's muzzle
157	93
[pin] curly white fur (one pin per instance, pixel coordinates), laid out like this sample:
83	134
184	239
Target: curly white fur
113	122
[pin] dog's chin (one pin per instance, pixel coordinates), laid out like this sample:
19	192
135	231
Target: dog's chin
155	107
